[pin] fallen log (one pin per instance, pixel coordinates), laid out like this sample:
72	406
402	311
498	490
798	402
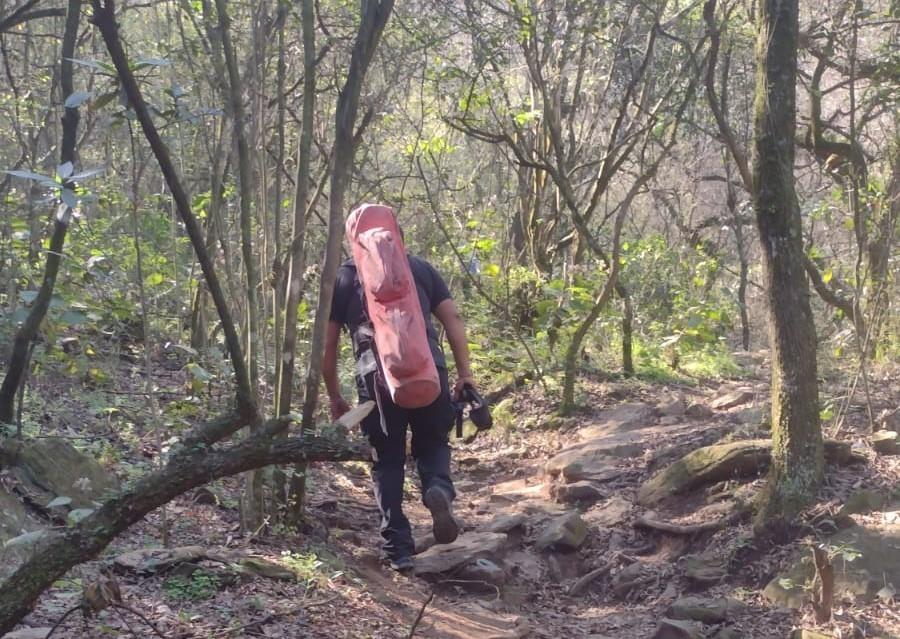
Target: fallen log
190	467
721	462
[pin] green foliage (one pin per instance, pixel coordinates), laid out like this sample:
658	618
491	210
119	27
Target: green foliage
686	311
197	586
314	568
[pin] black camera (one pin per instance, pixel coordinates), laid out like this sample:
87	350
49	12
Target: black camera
479	410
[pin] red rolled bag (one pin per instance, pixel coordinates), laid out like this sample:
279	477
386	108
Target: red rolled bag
392	306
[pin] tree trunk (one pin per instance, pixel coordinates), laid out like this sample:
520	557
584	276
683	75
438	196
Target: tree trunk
742	302
294	500
879	250
199	316
627	331
252	505
740	241
278	478
18	360
611	284
797	452
375	14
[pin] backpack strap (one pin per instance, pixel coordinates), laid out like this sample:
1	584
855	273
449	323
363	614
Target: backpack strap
368	362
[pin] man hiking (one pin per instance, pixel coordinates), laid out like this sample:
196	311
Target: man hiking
386	427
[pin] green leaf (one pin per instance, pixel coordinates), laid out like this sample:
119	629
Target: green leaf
28	175
103	100
65	170
185	349
77	99
155	279
827	276
787	583
86	174
60	501
25	540
92	64
68	198
526	117
78	514
149	62
198	372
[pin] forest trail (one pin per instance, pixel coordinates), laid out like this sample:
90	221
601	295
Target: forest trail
549	507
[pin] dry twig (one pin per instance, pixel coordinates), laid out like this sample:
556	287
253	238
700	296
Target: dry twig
412	629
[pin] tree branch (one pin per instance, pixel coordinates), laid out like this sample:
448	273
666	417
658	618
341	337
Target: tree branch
186	469
19	17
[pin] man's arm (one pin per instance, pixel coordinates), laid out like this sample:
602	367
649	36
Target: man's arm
448	315
339	405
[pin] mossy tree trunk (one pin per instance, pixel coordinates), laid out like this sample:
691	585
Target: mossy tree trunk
797	450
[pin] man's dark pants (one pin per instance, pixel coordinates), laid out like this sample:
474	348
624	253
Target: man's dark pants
386	431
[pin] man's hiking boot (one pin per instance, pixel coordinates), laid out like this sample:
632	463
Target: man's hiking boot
402	564
446	530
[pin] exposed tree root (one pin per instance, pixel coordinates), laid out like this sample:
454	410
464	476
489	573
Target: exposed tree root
689	529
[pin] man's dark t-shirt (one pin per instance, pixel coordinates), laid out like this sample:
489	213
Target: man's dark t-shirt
347	309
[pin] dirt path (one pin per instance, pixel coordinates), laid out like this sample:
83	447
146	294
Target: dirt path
544	501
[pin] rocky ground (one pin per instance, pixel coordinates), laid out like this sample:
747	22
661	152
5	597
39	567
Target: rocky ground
629	519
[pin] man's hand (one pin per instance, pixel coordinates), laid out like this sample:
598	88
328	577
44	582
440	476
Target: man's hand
460	383
339	407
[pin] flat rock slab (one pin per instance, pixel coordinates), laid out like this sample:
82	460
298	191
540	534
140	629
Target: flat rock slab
732	398
537	511
610	513
592	460
708	611
579	492
676	629
703	572
465	621
698	410
466	548
672	406
567	532
886	442
619	419
517	490
483	570
597	459
51	467
877	562
506	523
